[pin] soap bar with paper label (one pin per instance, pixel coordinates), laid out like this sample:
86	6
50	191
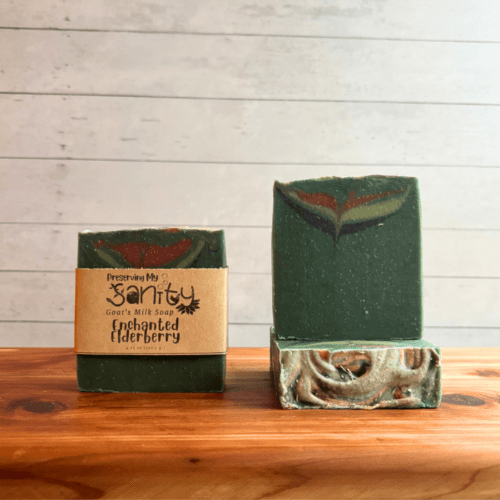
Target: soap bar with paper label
347	259
150	313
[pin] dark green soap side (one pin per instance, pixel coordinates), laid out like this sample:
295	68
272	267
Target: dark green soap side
137	373
366	285
104	373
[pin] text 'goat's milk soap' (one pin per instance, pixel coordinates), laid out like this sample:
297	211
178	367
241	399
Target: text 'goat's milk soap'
347	296
347	259
151	311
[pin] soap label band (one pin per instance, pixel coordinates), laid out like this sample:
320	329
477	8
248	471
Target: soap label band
151	311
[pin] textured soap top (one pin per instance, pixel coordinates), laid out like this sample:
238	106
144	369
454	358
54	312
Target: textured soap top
152	248
347	259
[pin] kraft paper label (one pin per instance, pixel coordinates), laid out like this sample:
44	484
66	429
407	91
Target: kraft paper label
151	311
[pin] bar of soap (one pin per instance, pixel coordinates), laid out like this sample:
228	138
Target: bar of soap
151	249
347	259
356	374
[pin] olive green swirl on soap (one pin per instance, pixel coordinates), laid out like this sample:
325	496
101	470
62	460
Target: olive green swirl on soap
356	213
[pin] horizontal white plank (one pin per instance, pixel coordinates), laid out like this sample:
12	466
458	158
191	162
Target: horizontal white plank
463	337
250	298
50	297
447	302
248	67
461	253
461	302
421	19
35	247
149	194
61	335
36	335
243	131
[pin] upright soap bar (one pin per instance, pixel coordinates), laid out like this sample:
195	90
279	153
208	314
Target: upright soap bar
347	259
151	249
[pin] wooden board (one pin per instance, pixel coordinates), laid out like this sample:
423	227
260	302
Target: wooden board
58	443
454	20
247	67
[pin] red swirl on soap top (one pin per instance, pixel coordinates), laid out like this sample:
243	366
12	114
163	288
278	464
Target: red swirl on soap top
352	200
356	213
321	199
148	255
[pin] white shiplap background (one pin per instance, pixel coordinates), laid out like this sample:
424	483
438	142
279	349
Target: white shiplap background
165	112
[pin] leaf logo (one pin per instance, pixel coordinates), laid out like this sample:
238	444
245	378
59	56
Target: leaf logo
189	309
356	213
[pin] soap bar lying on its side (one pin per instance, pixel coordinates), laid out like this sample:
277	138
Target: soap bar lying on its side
151	249
356	375
347	259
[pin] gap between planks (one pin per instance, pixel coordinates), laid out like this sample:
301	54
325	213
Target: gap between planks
242	163
248	99
249	35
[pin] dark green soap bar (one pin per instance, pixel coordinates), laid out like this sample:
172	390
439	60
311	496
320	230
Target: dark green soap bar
151	249
347	259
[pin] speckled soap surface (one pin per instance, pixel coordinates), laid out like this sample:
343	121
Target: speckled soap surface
151	248
347	259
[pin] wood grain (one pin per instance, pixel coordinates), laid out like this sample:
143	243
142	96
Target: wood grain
247	67
454	20
58	443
